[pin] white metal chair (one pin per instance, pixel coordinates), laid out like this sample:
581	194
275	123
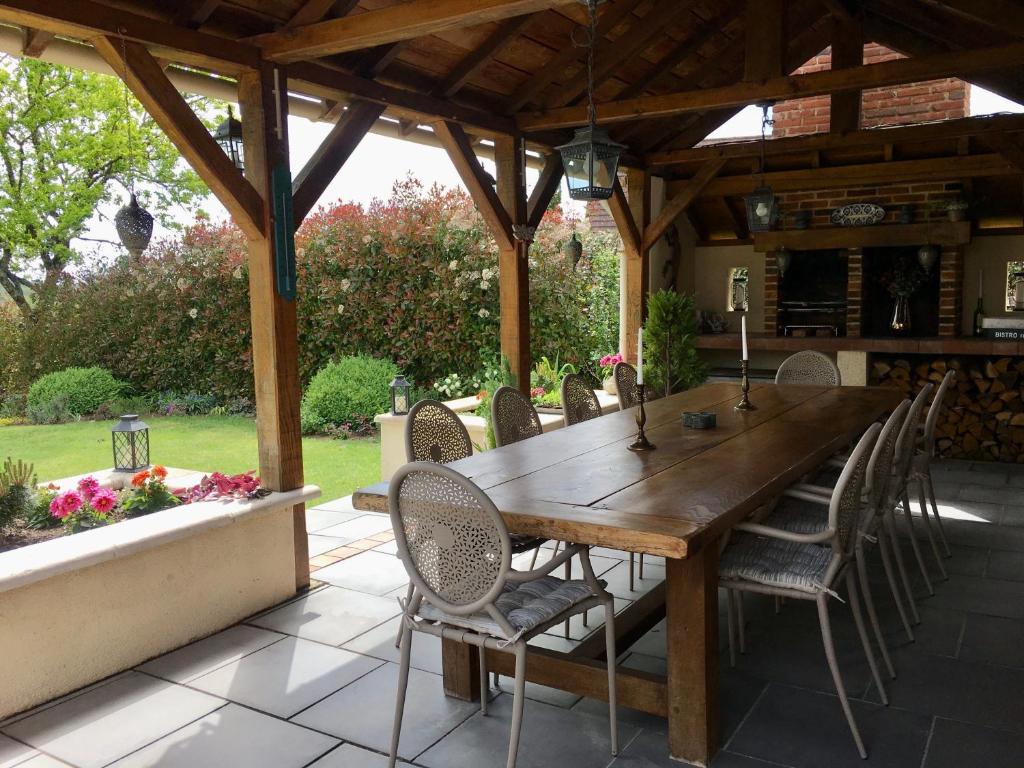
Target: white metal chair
773	561
808	367
625	385
579	403
513	417
456	549
921	467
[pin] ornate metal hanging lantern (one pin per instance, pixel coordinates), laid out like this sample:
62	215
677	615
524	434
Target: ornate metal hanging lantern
133	222
762	206
591	159
229	136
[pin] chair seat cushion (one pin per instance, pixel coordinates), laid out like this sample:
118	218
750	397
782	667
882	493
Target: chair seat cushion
522	543
775	563
798	516
525	606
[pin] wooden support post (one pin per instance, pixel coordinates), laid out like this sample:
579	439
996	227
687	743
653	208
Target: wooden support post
847	51
513	262
634	263
691	614
275	346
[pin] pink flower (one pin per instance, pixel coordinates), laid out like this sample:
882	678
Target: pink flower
88	486
103	500
537	391
609	361
66	504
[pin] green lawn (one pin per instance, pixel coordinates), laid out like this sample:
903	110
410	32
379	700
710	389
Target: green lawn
209	443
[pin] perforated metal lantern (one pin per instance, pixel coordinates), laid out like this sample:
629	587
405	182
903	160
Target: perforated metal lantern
762	210
400	395
134	226
591	161
573	250
927	255
229	136
131	444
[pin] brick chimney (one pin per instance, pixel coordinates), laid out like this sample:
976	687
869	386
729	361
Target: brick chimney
913	103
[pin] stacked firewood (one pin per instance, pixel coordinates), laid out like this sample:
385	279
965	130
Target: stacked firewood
984	417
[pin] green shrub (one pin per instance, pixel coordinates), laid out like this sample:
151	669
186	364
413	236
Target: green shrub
17	485
11	333
671	363
55	411
348	393
86	389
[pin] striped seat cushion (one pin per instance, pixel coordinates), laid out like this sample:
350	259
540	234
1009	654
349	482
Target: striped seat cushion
798	516
775	563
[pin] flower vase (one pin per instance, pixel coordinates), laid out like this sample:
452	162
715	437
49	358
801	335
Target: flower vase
610	387
901	315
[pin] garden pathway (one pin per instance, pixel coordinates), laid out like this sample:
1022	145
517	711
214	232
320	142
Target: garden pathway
311	682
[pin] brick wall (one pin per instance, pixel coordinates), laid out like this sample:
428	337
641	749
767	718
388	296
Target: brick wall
854	290
917	102
927	199
951	290
599	217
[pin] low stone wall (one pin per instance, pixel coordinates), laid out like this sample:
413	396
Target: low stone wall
984	418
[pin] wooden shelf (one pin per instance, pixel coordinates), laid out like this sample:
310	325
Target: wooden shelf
882	235
935	345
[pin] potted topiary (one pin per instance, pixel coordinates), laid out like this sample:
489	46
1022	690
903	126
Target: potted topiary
670	335
956	209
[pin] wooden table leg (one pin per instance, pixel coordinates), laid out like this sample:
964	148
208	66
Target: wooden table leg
691	605
460	665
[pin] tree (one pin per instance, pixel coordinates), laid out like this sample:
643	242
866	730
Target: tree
671	363
64	151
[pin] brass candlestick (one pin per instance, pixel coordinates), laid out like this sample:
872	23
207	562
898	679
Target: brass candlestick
744	404
641	443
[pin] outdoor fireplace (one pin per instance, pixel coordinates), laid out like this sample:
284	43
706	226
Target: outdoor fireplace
812	294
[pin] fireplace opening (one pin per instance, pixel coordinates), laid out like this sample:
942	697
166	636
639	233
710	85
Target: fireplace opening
889	269
812	294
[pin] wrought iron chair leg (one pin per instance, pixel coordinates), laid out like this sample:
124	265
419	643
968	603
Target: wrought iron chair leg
403	684
518	700
632	566
909	517
408	599
883	548
731	614
938	517
609	639
830	654
928	529
484	691
869	602
858	620
894	539
641	566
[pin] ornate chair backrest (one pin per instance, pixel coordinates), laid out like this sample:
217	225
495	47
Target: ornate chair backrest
879	473
451	539
938	402
845	507
513	417
808	367
579	403
625	383
434	432
906	443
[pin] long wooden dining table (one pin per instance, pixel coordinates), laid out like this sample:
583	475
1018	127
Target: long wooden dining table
581	484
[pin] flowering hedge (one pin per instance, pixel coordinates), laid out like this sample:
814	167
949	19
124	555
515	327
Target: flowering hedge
413	279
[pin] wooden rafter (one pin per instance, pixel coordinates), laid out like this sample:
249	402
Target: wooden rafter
737	215
477	59
547	184
146	79
839	10
896	72
1010	147
1004	15
195	13
36	41
847	51
376	60
765	44
391	24
313	11
618	205
477	181
331	155
681	201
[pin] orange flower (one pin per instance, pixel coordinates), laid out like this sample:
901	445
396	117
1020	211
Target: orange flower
140	478
159	472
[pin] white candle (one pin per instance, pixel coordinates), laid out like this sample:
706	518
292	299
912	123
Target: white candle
640	356
743	333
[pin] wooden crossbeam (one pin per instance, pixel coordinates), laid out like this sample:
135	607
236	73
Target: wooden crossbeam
146	79
839	10
460	150
1010	147
681	201
331	155
195	13
547	184
765	48
897	72
391	24
868	137
618	205
36	41
1004	15
738	216
313	11
475	61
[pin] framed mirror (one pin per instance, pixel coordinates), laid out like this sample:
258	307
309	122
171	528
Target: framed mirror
738	299
1014	286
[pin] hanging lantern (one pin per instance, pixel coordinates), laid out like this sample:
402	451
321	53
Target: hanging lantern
591	159
400	395
783	258
573	251
927	255
762	206
134	226
131	444
229	136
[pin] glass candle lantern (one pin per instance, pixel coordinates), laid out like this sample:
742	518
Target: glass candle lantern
131	444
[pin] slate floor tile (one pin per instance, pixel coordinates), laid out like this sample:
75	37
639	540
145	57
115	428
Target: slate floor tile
363	712
807	729
1006	565
993	640
43	761
550	735
379	642
650	750
342	504
13	752
374	573
320	544
113	720
332	615
320	517
996	597
956	745
206	655
286	677
358	527
233	736
351	756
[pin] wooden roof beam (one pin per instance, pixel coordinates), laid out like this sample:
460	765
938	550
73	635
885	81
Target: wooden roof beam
897	72
36	41
680	202
390	25
313	11
331	155
195	13
477	181
476	60
632	237
1004	15
146	79
547	184
765	49
839	10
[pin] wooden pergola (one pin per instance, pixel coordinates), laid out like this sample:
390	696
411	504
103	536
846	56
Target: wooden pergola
503	79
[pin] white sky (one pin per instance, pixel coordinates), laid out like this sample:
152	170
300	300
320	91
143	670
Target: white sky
379	162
